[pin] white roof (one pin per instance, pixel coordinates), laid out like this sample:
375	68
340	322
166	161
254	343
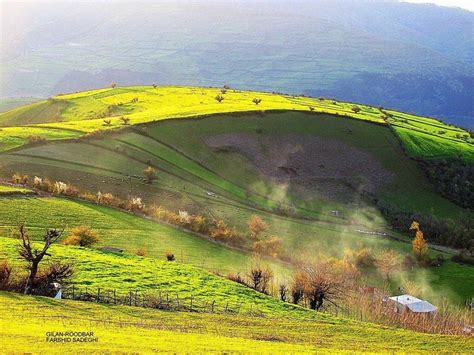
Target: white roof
414	304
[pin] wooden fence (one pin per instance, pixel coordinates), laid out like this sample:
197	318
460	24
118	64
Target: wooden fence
152	299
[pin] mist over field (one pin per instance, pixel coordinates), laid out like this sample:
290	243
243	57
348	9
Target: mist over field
412	57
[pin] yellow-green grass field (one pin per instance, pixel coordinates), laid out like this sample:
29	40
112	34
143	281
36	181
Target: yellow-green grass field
25	320
9	190
85	112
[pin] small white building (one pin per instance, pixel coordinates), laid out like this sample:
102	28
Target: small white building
410	303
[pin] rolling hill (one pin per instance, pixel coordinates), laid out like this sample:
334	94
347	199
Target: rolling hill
291	160
319	172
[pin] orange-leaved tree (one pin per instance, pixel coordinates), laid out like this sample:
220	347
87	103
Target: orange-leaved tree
420	247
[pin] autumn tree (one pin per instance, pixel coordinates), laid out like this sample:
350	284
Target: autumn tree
388	262
256	226
150	174
34	256
420	247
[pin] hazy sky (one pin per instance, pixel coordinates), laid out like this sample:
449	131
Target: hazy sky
466	4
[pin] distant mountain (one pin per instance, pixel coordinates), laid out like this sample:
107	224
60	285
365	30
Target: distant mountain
407	56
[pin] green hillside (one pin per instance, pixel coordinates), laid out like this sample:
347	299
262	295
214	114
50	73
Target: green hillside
85	112
123	230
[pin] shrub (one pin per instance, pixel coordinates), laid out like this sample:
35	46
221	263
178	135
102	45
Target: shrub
464	257
260	278
256	226
141	251
72	240
360	258
236	278
19	179
297	288
256	101
198	224
83	235
35	139
150	174
107	122
5	273
282	292
135	204
170	256
271	246
125	120
56	273
219	98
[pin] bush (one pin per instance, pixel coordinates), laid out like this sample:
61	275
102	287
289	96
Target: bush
19	179
360	258
35	139
5	273
260	278
464	257
170	256
83	236
44	283
141	251
237	278
72	240
271	246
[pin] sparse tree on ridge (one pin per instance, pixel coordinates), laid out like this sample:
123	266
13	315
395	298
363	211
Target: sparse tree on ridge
256	101
355	109
219	98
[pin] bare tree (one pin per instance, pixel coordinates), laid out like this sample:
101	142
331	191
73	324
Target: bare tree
34	256
219	98
260	278
322	283
256	101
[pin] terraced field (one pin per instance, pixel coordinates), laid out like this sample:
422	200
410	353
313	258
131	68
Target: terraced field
85	112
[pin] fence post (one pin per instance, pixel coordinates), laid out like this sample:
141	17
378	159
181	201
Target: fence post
130	297
177	300
212	306
191	306
98	295
115	298
73	291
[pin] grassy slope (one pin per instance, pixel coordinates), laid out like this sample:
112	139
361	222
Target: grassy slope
24	322
124	272
126	231
121	230
81	111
